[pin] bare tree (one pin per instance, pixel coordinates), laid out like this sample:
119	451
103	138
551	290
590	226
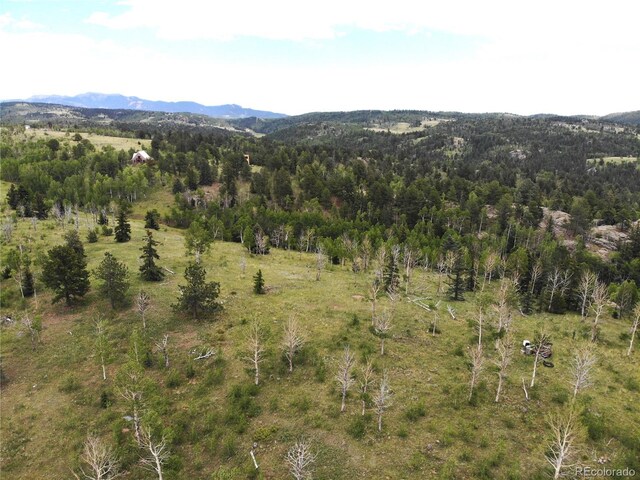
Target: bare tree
536	273
7	230
557	282
143	302
476	358
156	452
103	349
130	389
344	376
277	234
480	323
441	265
501	306
292	342
599	299
366	251
634	327
321	261
262	242
504	346
243	264
434	323
255	349
300	458
382	325
490	263
583	361
374	291
34	327
382	399
542	344
367	378
562	450
410	259
585	289
101	460
163	346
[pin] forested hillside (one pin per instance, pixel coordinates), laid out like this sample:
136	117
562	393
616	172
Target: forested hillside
352	288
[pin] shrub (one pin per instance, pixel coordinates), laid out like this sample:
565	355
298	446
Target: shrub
229	447
92	236
595	425
69	384
416	411
358	426
173	379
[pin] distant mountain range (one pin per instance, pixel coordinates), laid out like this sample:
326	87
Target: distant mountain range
116	101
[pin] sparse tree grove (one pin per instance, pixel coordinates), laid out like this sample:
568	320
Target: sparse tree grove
439	260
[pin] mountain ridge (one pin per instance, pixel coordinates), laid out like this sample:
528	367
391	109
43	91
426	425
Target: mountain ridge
118	101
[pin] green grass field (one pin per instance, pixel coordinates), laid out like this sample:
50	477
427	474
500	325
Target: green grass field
614	160
98	141
51	399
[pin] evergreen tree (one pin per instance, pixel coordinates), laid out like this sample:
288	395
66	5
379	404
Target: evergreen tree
28	286
40	208
12	197
178	186
102	218
65	272
114	277
92	235
192	178
198	296
73	240
123	227
258	283
149	270
151	219
204	171
249	239
456	278
391	275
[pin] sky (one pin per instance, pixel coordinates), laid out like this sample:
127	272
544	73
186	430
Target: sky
296	56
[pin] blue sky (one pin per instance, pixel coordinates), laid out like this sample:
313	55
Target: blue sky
290	56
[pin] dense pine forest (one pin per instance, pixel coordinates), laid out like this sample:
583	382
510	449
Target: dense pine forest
350	295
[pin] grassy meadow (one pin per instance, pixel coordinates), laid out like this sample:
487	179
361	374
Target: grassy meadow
54	395
96	140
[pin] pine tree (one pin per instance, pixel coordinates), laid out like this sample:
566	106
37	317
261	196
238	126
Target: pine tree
197	296
27	282
123	228
40	208
192	178
65	272
391	275
178	186
12	197
102	218
149	270
151	219
92	235
114	277
73	241
204	169
258	283
456	278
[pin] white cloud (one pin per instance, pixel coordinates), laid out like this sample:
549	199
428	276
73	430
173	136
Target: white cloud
539	21
8	22
563	58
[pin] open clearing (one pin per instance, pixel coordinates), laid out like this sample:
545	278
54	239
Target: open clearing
430	431
98	141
